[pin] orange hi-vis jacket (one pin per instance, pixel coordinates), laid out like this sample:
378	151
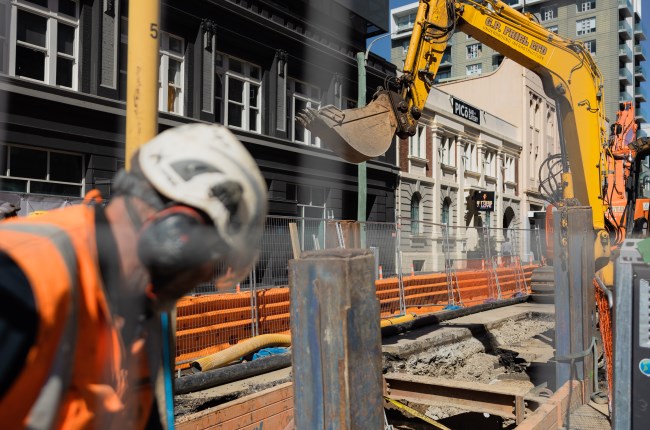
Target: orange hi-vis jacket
76	374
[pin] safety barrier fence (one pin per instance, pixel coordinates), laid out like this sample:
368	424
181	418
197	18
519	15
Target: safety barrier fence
209	320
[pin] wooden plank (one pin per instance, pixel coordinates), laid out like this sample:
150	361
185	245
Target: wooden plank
257	416
283	420
236	408
295	242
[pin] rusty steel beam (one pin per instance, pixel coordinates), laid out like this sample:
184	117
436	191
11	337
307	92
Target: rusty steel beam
476	397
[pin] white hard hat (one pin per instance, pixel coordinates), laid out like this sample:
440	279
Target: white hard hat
192	165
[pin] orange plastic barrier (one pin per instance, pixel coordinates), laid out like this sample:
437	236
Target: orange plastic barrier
210	323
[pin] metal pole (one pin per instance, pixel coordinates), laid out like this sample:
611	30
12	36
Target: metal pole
141	126
142	77
361	167
337	363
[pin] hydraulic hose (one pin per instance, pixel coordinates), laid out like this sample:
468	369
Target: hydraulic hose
235	352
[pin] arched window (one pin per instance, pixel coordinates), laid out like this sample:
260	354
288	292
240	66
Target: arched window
446	204
415	213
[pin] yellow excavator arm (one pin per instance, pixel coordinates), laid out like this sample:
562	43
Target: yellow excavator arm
567	70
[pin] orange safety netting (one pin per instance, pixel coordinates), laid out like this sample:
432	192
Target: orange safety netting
605	322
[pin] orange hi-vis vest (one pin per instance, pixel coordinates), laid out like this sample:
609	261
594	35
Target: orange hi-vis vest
75	374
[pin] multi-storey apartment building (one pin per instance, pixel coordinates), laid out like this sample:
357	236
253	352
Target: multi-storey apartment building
612	30
251	65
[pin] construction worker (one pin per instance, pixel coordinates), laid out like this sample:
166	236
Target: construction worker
81	288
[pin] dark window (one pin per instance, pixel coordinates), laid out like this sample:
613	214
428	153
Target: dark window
65	42
68	7
31	28
415	213
445	211
56	189
65	167
39	2
28	163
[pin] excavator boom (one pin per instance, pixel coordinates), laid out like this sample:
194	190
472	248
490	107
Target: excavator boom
568	73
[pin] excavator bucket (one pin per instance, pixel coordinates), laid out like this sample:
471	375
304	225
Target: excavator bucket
355	135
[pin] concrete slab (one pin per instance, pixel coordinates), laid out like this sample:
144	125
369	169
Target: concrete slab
498	315
456	330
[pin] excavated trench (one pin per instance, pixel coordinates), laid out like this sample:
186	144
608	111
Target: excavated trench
507	351
512	353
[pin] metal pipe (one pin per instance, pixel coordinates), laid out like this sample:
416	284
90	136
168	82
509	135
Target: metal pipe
213	378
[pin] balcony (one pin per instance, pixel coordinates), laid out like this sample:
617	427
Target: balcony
624	30
639	73
640	94
625	8
639	52
641	115
625	76
624	51
639	31
624	96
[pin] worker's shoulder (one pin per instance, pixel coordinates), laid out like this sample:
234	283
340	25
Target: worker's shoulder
72	222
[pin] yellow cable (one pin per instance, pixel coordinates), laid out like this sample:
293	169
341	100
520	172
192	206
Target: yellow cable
416	413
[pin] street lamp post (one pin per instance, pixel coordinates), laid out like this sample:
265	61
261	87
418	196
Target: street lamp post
362	175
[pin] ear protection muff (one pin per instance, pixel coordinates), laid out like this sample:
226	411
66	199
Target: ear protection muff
177	239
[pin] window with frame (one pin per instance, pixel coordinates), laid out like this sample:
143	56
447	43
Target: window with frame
238	93
490	164
5	14
469	156
44	41
443	73
553	29
590	46
30	170
416	198
405	22
586	26
311	203
303	96
548	12
585	5
474	69
447	146
497	59
550	121
446	206
474	50
417	143
509	162
171	78
405	46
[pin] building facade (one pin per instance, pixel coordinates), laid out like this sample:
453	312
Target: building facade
499	148
251	65
612	30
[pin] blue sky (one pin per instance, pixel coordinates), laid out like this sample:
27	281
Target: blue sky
382	47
